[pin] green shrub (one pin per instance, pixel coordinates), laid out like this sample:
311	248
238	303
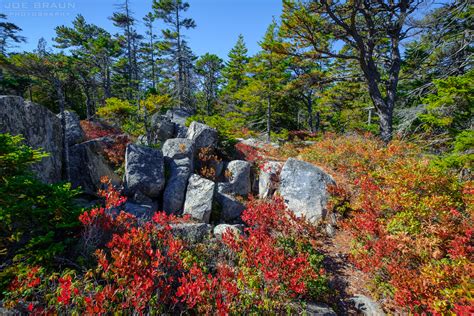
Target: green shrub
37	221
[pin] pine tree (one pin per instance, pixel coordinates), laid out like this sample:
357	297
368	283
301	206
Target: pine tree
209	67
171	11
124	20
262	95
149	51
8	33
234	72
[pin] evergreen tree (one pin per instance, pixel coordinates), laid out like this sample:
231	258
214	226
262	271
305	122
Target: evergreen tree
209	67
124	20
148	50
234	72
263	94
171	11
8	33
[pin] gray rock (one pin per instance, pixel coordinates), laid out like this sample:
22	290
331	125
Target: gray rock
199	197
269	179
220	229
179	172
180	131
40	128
161	129
142	211
142	140
366	306
144	170
313	309
178	148
191	232
179	116
203	135
87	165
231	208
74	132
303	186
240	176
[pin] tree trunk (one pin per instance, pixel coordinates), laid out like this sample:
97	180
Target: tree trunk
179	59
318	123
269	119
309	104
385	124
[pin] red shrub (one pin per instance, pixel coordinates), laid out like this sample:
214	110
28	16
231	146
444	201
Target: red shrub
115	149
273	263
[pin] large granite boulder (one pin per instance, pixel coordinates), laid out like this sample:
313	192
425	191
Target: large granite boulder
40	128
269	179
199	196
175	193
161	129
87	165
303	186
231	207
178	148
179	117
239	173
179	158
203	135
144	170
74	132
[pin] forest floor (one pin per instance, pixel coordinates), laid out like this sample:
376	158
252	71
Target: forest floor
345	278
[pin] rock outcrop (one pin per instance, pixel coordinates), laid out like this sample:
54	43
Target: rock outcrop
74	132
40	128
179	117
144	171
202	135
303	186
161	129
199	197
87	165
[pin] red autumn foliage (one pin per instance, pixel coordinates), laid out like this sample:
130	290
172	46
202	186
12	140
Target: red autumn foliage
142	268
411	220
114	149
271	270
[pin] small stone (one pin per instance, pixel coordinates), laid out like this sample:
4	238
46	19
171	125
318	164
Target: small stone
220	229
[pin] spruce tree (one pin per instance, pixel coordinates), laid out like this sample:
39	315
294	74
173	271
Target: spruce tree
170	12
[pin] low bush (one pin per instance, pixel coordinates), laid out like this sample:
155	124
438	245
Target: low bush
411	220
146	269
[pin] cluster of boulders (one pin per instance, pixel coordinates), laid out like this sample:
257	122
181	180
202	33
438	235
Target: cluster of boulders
161	170
167	178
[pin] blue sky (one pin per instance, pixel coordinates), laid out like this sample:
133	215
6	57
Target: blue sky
219	22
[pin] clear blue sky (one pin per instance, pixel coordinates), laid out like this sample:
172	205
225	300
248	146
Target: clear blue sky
219	22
